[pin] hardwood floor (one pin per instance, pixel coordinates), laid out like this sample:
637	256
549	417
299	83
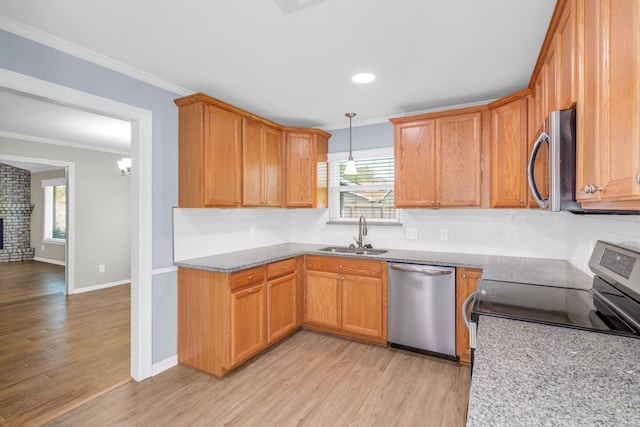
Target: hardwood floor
308	380
57	351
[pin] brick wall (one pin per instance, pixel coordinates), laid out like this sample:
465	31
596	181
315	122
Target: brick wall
15	210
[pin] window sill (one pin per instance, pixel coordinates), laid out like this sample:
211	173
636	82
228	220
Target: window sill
370	222
61	242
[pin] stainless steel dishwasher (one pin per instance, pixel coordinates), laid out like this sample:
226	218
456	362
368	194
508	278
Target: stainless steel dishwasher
422	313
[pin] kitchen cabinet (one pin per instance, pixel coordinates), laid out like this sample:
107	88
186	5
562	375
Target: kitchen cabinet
306	173
261	165
608	129
209	156
509	156
466	283
568	51
438	159
225	319
346	296
281	299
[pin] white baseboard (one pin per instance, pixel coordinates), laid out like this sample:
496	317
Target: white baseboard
164	365
50	261
101	286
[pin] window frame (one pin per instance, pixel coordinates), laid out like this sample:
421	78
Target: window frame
334	160
47	231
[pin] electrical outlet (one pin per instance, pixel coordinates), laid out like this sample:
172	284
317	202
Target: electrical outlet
101	268
411	233
444	234
252	231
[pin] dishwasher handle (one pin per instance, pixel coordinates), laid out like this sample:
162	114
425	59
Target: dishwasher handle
465	309
420	269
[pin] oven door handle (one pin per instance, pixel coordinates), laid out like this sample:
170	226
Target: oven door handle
465	309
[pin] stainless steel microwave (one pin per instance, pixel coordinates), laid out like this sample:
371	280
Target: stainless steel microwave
557	143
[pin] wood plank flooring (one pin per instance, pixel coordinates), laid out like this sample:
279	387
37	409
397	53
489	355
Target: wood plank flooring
57	351
309	379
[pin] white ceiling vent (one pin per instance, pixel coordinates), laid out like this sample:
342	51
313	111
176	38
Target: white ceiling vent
289	6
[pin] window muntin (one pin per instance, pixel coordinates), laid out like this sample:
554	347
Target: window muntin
55	210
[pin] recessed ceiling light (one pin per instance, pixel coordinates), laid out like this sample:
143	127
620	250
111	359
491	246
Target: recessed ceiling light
363	78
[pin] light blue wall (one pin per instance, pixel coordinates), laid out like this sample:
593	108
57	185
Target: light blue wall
379	135
33	59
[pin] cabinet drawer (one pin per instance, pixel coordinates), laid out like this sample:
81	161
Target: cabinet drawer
276	269
358	267
251	276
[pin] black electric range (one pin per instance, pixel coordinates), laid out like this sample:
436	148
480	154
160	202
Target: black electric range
611	306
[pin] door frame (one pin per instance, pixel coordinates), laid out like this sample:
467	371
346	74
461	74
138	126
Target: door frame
70	244
141	199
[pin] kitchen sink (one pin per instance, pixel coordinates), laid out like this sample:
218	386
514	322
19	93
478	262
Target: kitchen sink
353	250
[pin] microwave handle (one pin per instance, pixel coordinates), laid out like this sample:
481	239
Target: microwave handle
532	160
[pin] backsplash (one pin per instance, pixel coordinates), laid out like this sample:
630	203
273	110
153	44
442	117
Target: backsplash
510	232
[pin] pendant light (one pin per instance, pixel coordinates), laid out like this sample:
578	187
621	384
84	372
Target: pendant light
351	164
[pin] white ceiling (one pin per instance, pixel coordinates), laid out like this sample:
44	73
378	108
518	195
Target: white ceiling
25	117
295	68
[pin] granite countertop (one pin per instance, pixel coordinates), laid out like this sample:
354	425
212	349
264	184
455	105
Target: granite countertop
551	272
528	374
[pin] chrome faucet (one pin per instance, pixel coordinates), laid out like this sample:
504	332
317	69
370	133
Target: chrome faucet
362	231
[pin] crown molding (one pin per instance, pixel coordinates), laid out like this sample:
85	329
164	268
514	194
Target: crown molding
65	46
31	138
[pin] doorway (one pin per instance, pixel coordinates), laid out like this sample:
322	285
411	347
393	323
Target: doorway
141	210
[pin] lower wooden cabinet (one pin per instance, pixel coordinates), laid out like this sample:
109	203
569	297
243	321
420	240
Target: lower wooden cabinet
346	296
281	307
225	319
247	323
466	282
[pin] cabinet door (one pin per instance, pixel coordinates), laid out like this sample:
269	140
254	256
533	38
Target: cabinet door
466	282
252	164
415	164
459	149
272	167
222	158
322	299
300	166
619	153
281	306
509	155
551	66
362	305
567	57
247	323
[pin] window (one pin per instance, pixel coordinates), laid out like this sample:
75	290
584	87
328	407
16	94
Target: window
55	210
369	193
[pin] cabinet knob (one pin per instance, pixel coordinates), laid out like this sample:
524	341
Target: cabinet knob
284	267
638	178
271	285
250	291
464	275
250	277
521	201
238	202
340	266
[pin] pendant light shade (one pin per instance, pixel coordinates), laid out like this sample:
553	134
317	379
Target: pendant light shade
351	164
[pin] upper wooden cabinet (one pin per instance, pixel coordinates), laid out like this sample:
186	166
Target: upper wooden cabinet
306	168
228	157
608	128
567	46
509	188
209	156
438	159
261	165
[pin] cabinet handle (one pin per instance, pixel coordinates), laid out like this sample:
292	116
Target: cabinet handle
437	202
638	178
250	291
238	202
590	189
271	285
250	277
284	267
340	266
521	201
464	275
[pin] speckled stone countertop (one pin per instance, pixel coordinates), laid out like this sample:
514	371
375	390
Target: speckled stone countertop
528	374
551	272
